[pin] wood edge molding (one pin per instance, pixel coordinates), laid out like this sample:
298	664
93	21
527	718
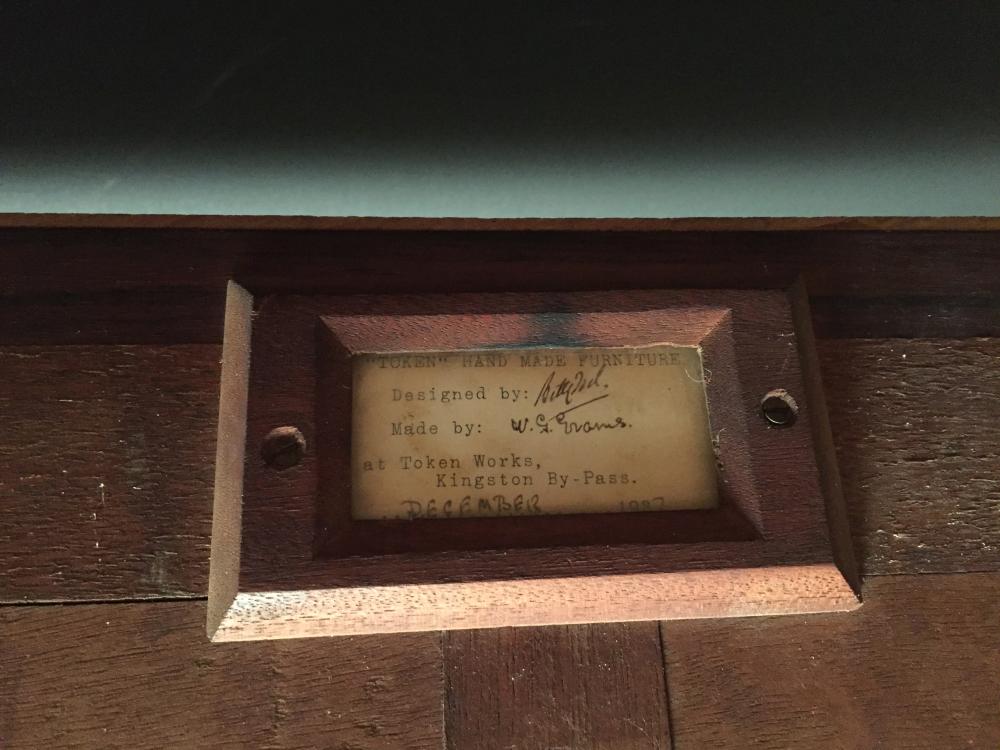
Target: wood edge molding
635	224
224	564
826	452
793	589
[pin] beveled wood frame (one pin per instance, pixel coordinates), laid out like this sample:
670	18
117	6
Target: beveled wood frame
288	560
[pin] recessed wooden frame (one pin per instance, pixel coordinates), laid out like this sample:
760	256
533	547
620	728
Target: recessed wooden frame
288	560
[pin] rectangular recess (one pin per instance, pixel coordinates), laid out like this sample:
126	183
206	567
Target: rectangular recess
528	432
341	338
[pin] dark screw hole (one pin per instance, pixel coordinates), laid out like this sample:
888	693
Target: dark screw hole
779	408
283	448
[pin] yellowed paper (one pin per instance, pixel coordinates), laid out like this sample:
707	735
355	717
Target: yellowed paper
530	432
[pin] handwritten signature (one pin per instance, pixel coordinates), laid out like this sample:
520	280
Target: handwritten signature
567	388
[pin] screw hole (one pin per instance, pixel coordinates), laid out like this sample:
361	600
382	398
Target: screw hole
779	408
283	447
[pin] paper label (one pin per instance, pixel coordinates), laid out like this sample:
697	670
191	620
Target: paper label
522	432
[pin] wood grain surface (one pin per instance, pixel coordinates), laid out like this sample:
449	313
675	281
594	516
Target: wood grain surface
144	676
933	483
854	264
917	429
916	667
106	471
146	316
585	687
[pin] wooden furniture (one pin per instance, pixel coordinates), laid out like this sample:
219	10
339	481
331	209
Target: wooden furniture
110	363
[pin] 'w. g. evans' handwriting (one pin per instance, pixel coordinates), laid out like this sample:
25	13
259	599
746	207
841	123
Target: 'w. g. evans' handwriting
567	388
543	424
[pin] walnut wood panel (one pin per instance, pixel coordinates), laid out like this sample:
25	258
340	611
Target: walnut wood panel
856	264
150	316
916	667
906	316
585	687
920	671
177	315
144	676
157	545
917	430
106	471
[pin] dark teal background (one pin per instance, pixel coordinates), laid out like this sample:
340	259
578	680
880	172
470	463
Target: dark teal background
501	110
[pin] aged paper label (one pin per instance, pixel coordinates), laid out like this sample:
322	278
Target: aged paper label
530	431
